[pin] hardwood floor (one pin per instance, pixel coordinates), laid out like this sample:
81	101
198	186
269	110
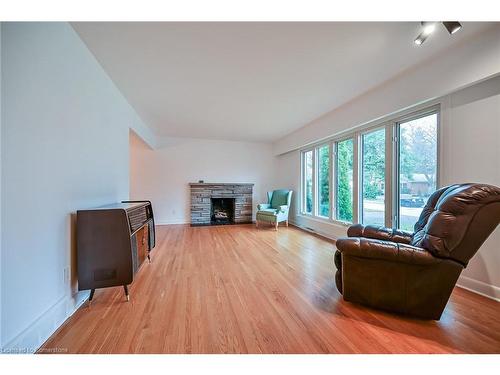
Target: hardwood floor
238	289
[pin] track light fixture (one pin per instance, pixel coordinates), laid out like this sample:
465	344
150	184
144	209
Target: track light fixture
429	27
420	39
452	27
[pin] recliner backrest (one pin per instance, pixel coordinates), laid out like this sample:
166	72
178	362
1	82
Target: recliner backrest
457	219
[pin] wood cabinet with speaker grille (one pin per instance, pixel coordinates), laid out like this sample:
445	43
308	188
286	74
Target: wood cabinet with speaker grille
113	241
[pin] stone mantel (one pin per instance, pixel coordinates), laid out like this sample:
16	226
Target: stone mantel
202	192
218	184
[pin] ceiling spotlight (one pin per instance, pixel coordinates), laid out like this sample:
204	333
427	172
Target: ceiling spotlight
420	39
428	28
452	27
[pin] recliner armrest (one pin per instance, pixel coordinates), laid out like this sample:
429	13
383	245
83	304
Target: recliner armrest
380	233
385	250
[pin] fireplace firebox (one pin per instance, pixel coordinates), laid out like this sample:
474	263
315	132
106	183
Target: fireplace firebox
222	210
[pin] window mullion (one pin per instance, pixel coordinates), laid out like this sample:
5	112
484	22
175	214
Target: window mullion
336	179
302	183
395	174
389	173
356	179
331	168
314	184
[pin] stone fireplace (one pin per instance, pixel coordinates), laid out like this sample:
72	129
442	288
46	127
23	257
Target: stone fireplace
221	203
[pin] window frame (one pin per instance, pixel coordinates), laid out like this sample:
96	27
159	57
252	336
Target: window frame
303	209
361	134
316	202
396	128
355	148
392	141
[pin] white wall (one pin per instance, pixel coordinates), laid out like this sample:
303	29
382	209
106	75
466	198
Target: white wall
163	175
470	152
65	146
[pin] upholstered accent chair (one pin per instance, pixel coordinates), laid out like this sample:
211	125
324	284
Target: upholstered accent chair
415	273
276	209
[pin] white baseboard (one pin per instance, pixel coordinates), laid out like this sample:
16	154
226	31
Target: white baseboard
33	336
178	222
172	222
310	230
479	287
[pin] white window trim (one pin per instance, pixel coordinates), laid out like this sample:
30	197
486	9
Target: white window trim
303	183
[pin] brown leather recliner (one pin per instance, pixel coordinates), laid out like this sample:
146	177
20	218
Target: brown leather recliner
414	273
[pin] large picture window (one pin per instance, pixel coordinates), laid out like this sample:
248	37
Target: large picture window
346	179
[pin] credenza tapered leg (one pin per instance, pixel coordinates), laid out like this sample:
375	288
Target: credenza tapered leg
92	291
126	292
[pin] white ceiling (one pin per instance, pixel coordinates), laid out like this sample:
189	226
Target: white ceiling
253	81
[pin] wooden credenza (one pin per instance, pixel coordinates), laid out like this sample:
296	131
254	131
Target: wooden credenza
113	241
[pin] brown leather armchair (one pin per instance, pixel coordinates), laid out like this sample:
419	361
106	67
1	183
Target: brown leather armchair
414	273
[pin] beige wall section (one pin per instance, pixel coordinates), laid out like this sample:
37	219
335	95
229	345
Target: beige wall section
470	152
162	175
